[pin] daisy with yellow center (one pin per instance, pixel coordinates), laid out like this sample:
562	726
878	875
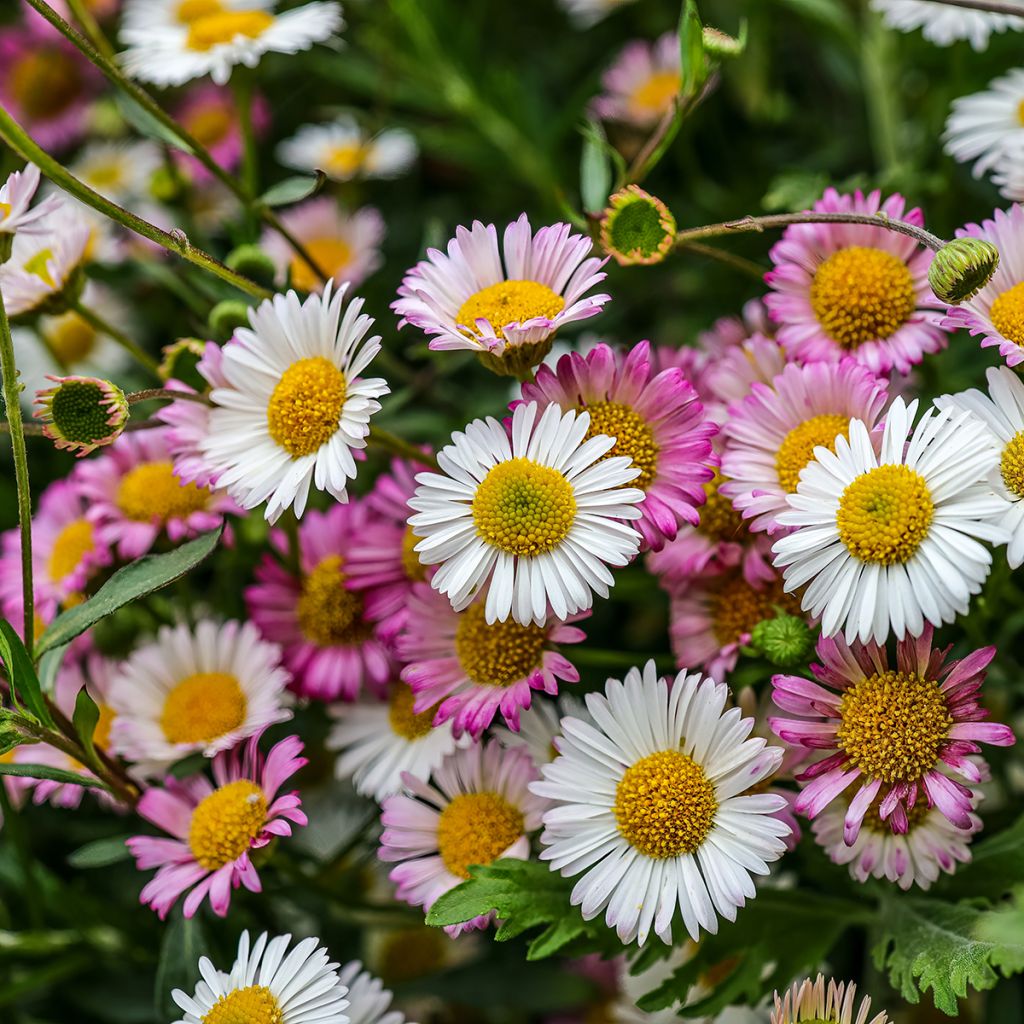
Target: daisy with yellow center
942	25
533	520
343	150
16	194
120	171
986	127
889	541
810	1002
295	405
643	84
204	689
476	809
652	809
214	825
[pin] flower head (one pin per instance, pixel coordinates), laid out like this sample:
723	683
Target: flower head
643	84
961	268
637	227
986	126
81	414
16	212
944	25
809	1001
208	113
343	150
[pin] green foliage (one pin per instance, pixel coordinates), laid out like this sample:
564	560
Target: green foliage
22	674
996	866
293	190
100	853
44	771
85	719
183	944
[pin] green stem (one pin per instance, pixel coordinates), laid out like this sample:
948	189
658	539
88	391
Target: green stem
97	323
393	443
744	266
167	395
242	87
91	28
880	92
304	254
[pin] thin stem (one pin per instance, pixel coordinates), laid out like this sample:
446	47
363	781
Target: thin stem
167	395
994	6
880	94
394	444
303	253
638	169
97	323
242	87
739	263
91	28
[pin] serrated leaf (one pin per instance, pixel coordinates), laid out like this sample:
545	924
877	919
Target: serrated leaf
85	719
141	577
595	170
44	771
292	190
101	853
22	673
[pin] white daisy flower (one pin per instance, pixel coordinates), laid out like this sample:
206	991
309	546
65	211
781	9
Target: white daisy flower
204	689
888	542
16	212
120	171
343	151
1008	174
269	985
535	519
1002	410
211	38
986	126
652	806
944	25
295	405
584	13
367	997
377	740
142	15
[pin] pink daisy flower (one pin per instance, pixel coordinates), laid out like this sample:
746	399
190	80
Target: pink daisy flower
731	376
331	645
896	734
730	332
474	670
643	84
772	434
214	826
855	289
657	420
477	810
135	497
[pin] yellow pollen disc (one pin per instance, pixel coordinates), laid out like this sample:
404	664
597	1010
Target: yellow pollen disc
736	607
226	822
524	508
253	1005
208	124
44	82
101	734
328	612
1007	314
885	514
415	570
1011	465
109	175
409	953
633	438
655	95
73	543
331	255
305	408
508	302
346	159
202	708
37	264
500	653
70	338
476	828
718	519
862	294
210	30
152	491
664	805
403	720
893	725
5	210
1020	113
797	448
915	814
192	10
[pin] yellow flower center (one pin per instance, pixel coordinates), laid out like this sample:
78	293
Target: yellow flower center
500	653
192	10
797	448
664	805
44	82
409	953
1007	314
1020	113
735	607
718	519
305	408
73	543
37	264
101	734
5	210
508	302
328	612
226	822
203	707
885	514
893	725
151	492
210	30
109	175
344	160
252	1005
1011	465
476	828
415	570
524	508
862	294
70	338
655	95
331	255
208	124
633	437
403	720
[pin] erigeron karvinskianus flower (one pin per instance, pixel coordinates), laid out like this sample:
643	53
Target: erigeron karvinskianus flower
81	414
643	84
986	126
944	24
16	194
810	1002
344	151
584	13
209	113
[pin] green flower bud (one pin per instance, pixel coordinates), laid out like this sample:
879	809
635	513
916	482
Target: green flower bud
82	414
961	268
180	360
637	227
721	44
226	317
254	263
786	641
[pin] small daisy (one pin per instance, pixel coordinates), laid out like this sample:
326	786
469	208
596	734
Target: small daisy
809	1001
540	727
986	126
773	433
534	520
331	644
469	669
855	289
267	984
476	809
120	171
368	998
944	25
209	114
151	14
196	689
135	497
887	542
16	210
896	734
344	245
378	740
584	13
343	151
651	805
511	308
214	41
213	827
268	441
731	376
643	84
656	419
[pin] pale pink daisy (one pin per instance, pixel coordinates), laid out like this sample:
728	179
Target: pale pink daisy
209	114
16	194
643	84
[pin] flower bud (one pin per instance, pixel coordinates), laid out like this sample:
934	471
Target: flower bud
252	262
226	317
786	641
961	268
720	44
637	227
180	360
82	414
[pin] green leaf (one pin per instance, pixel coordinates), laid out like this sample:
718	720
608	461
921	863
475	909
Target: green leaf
136	580
292	190
85	719
948	948
22	673
693	64
49	666
996	866
145	123
100	853
178	966
44	771
595	169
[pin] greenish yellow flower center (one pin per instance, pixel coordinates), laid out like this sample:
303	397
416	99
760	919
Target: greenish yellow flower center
500	653
252	1005
508	302
226	822
203	707
151	491
70	338
633	437
208	124
1007	314
1011	464
37	264
403	720
797	448
344	160
476	828
332	255
305	407
329	613
210	30
73	543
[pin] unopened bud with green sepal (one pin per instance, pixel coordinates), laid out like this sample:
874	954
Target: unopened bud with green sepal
252	262
180	360
226	317
637	227
81	414
961	268
786	641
